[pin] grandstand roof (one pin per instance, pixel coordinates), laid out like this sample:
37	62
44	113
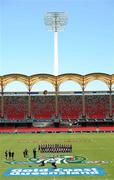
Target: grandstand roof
83	80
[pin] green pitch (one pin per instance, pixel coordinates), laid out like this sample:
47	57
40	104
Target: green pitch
92	146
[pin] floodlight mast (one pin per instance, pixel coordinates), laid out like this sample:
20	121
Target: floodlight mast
55	21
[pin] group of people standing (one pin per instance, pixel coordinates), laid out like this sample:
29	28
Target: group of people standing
26	153
9	154
42	148
55	148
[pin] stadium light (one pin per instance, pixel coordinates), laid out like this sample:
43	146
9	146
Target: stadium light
55	21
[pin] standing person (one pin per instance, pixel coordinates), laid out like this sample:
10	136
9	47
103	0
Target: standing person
6	154
34	153
12	155
9	153
26	152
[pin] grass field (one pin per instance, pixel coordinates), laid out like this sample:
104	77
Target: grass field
92	146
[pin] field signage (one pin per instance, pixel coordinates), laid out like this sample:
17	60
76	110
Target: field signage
79	171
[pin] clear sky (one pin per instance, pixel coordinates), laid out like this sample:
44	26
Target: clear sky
85	46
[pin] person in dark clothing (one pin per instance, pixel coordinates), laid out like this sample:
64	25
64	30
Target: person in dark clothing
34	153
12	155
25	153
6	154
9	153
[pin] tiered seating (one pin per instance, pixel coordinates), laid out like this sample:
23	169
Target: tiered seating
70	107
42	107
97	106
15	107
113	105
0	106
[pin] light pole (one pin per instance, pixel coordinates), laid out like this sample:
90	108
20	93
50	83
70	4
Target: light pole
55	21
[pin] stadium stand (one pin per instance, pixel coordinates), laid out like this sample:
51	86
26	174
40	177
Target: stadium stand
0	107
15	107
42	107
113	106
97	106
70	107
35	111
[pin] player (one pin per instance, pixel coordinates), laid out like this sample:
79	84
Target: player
53	163
42	162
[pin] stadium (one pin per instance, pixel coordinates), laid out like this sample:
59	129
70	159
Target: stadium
28	118
75	111
60	125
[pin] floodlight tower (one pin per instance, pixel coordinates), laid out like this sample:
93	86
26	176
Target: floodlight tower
55	21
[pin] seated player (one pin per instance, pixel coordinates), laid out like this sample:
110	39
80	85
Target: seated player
42	162
53	163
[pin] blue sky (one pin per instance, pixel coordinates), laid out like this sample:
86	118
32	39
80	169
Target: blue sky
86	45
